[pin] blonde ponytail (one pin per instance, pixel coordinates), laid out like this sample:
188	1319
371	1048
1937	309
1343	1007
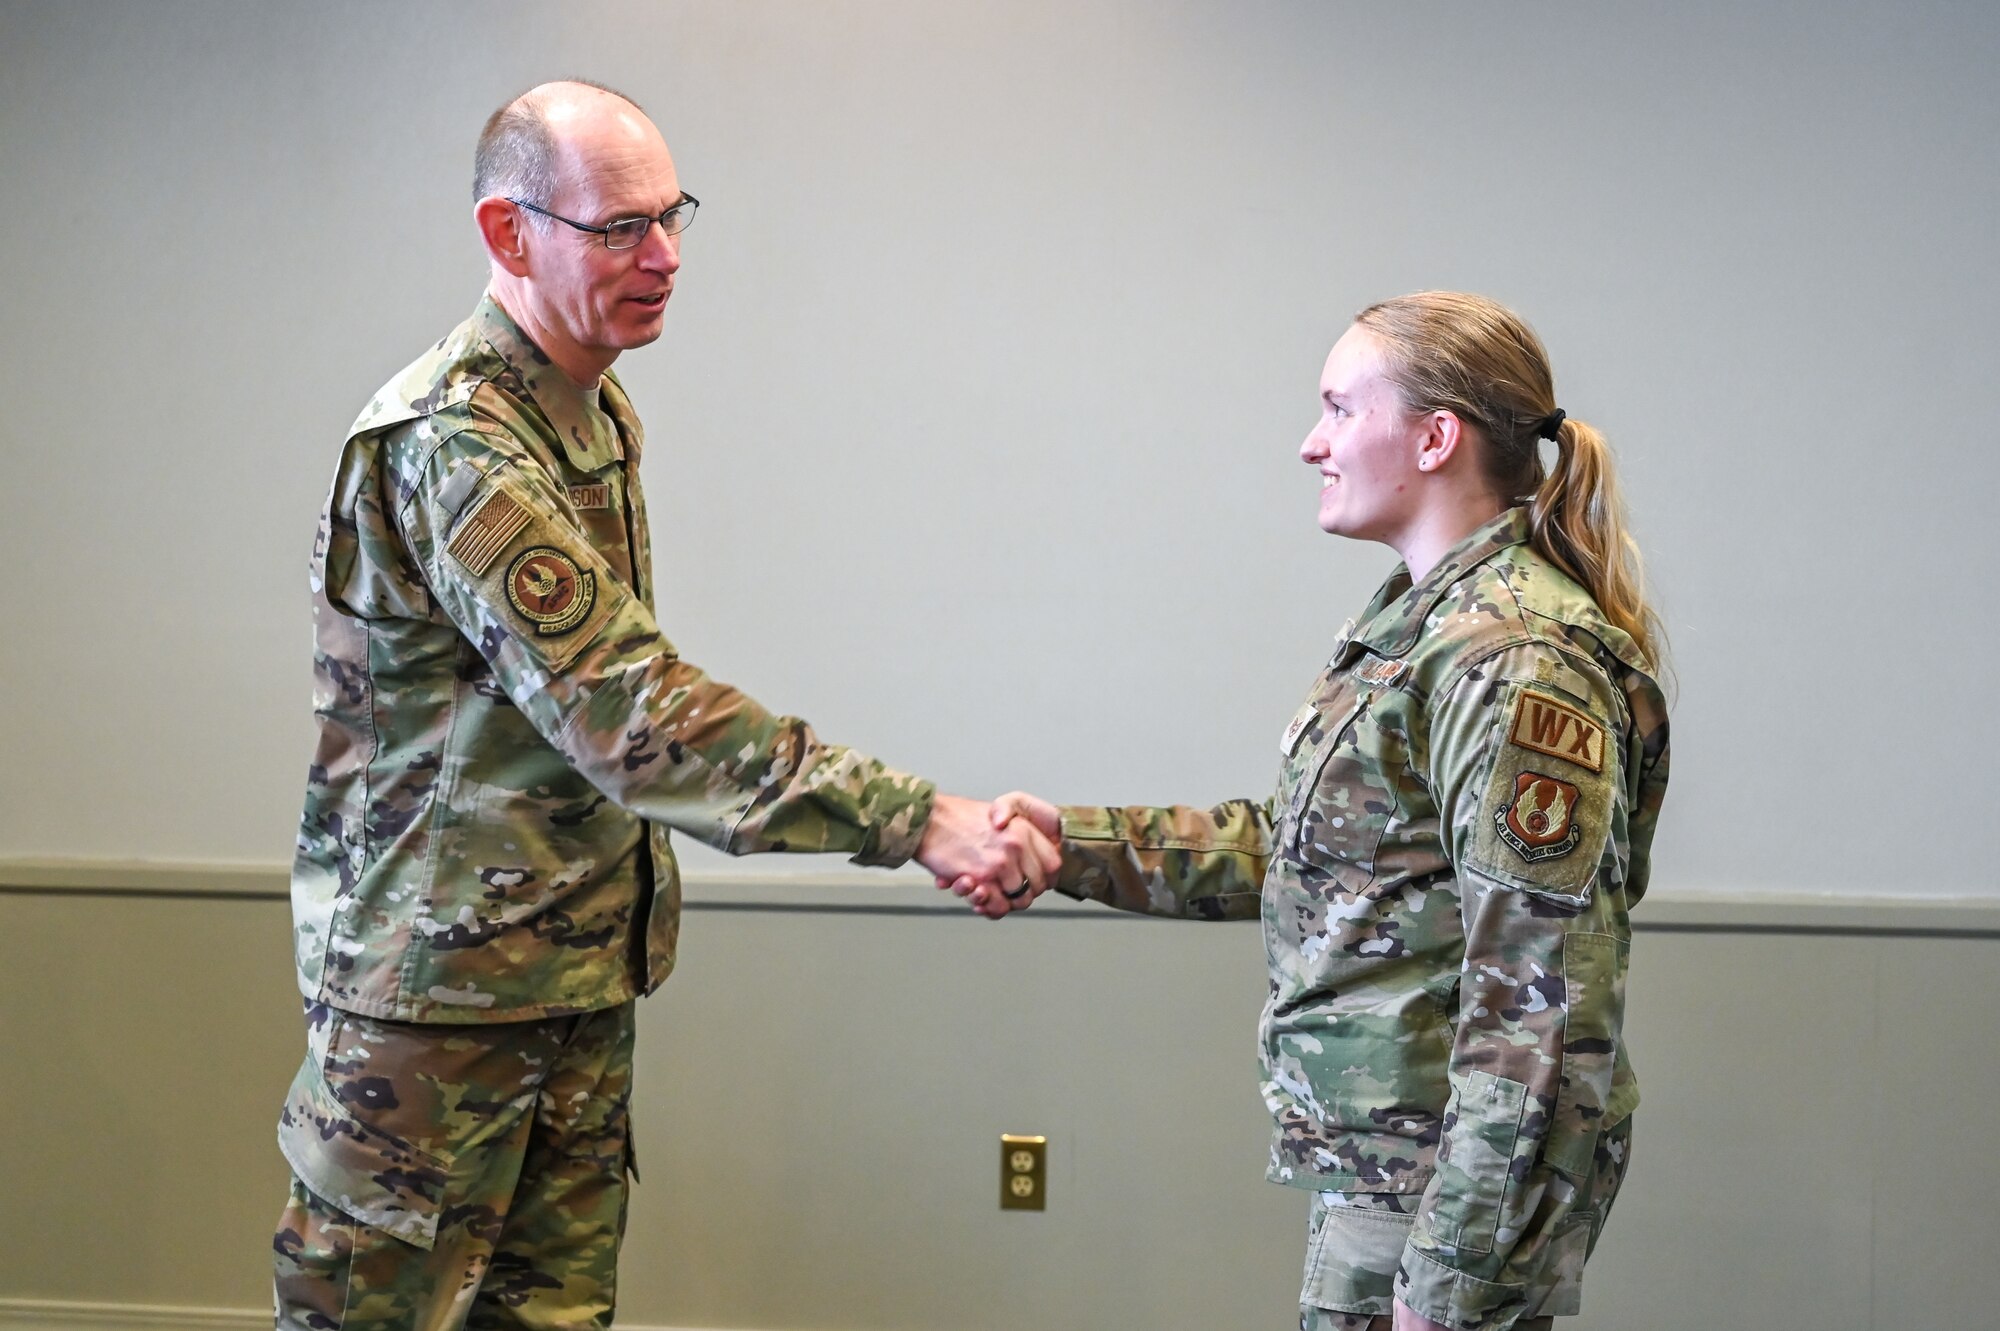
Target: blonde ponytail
1451	351
1578	523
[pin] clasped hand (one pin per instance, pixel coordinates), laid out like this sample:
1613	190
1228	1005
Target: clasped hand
998	856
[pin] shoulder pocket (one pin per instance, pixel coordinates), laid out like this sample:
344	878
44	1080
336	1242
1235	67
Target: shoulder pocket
1551	798
530	573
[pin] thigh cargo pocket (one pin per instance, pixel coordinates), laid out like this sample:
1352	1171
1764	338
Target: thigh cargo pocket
1351	1258
374	1176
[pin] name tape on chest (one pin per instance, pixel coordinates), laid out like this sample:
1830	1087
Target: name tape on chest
486	531
1552	727
590	496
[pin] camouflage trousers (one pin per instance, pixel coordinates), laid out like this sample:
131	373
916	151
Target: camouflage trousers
1355	1243
449	1176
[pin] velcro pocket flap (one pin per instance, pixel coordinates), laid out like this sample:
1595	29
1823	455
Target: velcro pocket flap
376	1178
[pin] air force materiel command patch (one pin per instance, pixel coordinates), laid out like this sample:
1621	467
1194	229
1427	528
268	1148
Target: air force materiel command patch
547	589
1557	729
1540	824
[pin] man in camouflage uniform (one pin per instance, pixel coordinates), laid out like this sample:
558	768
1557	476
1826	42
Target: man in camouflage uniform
484	883
1464	816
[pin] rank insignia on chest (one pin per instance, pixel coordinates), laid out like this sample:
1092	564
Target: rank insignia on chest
590	496
1555	728
547	589
1540	824
1290	739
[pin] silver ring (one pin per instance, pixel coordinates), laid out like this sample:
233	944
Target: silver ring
1018	892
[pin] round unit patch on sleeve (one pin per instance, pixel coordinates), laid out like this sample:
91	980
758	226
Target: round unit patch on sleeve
547	589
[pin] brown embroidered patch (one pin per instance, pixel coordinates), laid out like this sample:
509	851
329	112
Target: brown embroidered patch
486	531
548	590
1540	823
590	496
1547	726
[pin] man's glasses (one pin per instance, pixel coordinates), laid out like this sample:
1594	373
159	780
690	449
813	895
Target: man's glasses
626	232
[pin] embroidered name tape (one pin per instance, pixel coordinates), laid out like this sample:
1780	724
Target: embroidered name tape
590	496
1555	728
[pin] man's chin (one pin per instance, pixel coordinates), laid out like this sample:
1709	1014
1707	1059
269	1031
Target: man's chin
641	332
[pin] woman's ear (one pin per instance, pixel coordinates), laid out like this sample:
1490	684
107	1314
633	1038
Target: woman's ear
1442	433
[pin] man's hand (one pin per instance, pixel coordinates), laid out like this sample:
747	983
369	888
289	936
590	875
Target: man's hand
1037	819
997	867
1406	1320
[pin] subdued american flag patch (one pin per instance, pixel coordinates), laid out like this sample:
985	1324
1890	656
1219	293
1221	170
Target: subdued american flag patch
486	531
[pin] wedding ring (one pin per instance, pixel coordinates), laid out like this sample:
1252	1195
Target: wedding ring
1018	892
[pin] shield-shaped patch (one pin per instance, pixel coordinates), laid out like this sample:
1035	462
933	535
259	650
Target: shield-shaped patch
1540	823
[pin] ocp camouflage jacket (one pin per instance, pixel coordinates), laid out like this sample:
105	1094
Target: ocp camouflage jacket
1463	818
505	735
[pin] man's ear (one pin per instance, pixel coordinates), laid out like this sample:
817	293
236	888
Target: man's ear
1443	433
506	239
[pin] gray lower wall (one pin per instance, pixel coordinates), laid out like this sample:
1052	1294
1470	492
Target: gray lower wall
821	1087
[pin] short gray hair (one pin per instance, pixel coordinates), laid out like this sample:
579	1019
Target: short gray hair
516	156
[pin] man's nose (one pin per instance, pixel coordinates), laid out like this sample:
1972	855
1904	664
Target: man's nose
659	250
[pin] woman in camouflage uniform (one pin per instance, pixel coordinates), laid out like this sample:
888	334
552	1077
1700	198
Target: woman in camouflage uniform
1463	819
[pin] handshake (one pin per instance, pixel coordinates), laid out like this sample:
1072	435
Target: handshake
999	856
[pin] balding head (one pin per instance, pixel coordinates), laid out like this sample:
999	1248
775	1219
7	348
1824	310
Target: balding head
557	167
522	151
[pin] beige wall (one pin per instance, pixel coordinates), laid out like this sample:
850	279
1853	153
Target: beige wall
973	434
821	1089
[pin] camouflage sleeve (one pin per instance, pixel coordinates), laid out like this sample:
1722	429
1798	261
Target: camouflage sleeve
1191	864
585	662
1525	766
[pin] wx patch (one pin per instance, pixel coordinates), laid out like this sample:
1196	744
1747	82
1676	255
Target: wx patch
1540	823
1557	729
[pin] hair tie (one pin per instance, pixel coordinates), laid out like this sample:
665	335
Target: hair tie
1551	425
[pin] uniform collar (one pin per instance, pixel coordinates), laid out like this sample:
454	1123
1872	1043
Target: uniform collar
1395	618
586	432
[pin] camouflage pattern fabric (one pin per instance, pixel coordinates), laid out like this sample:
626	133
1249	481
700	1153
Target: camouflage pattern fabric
505	735
454	1175
1464	817
1323	1319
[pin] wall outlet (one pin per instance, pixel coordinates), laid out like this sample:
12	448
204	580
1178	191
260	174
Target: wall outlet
1024	1173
